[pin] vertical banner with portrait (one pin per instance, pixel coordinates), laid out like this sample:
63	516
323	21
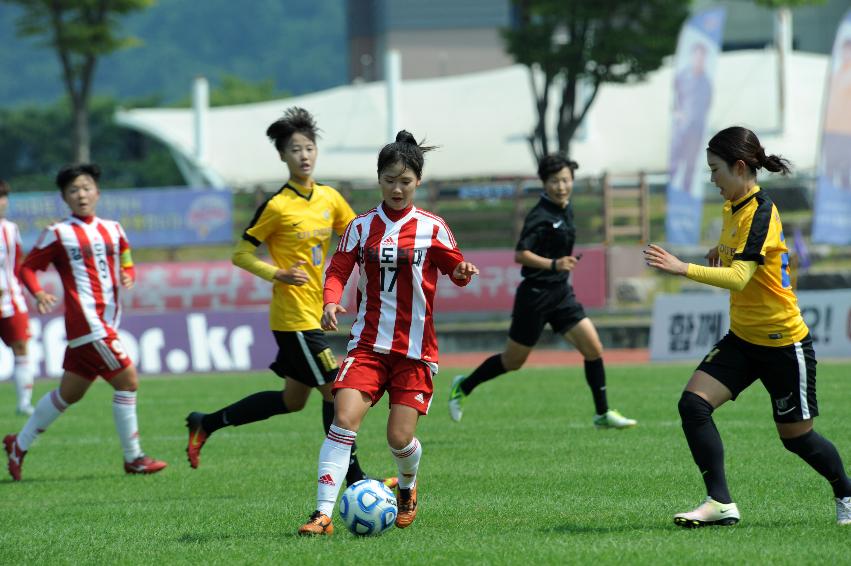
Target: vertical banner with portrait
694	67
832	217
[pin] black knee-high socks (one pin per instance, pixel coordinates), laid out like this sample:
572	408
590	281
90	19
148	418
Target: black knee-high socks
705	444
257	407
822	456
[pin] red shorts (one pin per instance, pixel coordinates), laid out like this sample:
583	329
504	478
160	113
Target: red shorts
408	381
15	328
104	357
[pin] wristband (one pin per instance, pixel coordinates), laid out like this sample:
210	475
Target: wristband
553	266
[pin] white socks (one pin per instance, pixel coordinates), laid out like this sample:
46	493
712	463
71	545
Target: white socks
333	463
124	413
408	460
23	376
47	410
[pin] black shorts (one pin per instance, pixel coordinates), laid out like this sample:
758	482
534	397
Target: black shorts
537	305
787	372
305	356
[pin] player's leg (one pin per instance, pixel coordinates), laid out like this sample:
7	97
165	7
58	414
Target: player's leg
23	375
303	361
528	318
583	336
407	451
411	389
792	386
71	389
350	407
125	383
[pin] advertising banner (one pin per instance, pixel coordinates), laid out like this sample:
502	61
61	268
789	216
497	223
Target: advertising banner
694	67
832	216
168	217
686	326
217	285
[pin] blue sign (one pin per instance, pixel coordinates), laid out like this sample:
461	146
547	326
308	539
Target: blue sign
169	217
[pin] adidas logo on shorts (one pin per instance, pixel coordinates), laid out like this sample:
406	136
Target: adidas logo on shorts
419	397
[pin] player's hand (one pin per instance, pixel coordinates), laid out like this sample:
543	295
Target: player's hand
713	258
44	302
126	281
567	263
464	270
329	316
294	275
657	257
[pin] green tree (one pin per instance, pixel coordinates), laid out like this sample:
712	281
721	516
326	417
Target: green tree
232	89
80	31
571	42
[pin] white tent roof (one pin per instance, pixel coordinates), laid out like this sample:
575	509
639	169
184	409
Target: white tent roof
480	121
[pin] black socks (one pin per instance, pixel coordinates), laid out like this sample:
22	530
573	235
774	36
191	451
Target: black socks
705	444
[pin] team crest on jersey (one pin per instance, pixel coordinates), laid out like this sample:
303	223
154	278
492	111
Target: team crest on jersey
326	214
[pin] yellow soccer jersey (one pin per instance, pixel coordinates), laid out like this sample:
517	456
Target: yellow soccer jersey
296	224
766	311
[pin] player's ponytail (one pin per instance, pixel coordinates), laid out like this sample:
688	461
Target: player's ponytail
740	144
404	150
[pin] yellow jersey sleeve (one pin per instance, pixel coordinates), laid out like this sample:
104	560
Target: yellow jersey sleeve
343	214
755	233
734	277
244	256
266	221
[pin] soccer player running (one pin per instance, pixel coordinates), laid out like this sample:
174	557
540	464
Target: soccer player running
768	339
14	320
92	256
545	250
400	251
296	225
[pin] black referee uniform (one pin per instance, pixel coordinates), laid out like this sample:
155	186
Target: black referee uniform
545	296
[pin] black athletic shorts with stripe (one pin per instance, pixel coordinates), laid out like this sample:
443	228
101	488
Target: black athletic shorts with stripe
787	372
305	356
538	304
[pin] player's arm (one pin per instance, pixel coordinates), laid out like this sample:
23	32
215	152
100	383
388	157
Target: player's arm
266	220
530	236
128	269
735	277
449	259
41	256
338	273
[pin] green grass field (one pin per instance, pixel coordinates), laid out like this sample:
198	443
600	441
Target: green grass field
524	479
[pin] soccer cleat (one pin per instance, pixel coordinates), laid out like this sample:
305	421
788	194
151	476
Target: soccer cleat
456	399
318	524
613	419
709	513
407	506
390	483
25	411
843	510
16	456
197	438
144	465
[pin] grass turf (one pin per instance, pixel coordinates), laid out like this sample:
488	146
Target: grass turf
524	478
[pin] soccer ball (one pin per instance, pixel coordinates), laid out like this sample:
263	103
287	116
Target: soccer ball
368	508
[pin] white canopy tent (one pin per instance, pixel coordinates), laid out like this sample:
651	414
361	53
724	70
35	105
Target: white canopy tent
481	122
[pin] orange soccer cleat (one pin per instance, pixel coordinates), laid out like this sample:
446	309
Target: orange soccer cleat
318	524
407	504
144	465
197	438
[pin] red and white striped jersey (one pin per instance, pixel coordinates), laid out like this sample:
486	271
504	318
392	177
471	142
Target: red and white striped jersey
399	263
12	300
87	254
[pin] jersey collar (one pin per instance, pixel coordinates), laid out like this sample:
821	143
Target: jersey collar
84	219
739	204
383	215
300	189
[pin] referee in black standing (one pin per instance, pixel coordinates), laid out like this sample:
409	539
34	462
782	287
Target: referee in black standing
545	250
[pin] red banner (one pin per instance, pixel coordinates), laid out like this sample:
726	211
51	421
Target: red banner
218	285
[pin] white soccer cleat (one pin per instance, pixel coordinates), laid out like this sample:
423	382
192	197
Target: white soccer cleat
843	510
26	410
613	419
710	513
456	399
